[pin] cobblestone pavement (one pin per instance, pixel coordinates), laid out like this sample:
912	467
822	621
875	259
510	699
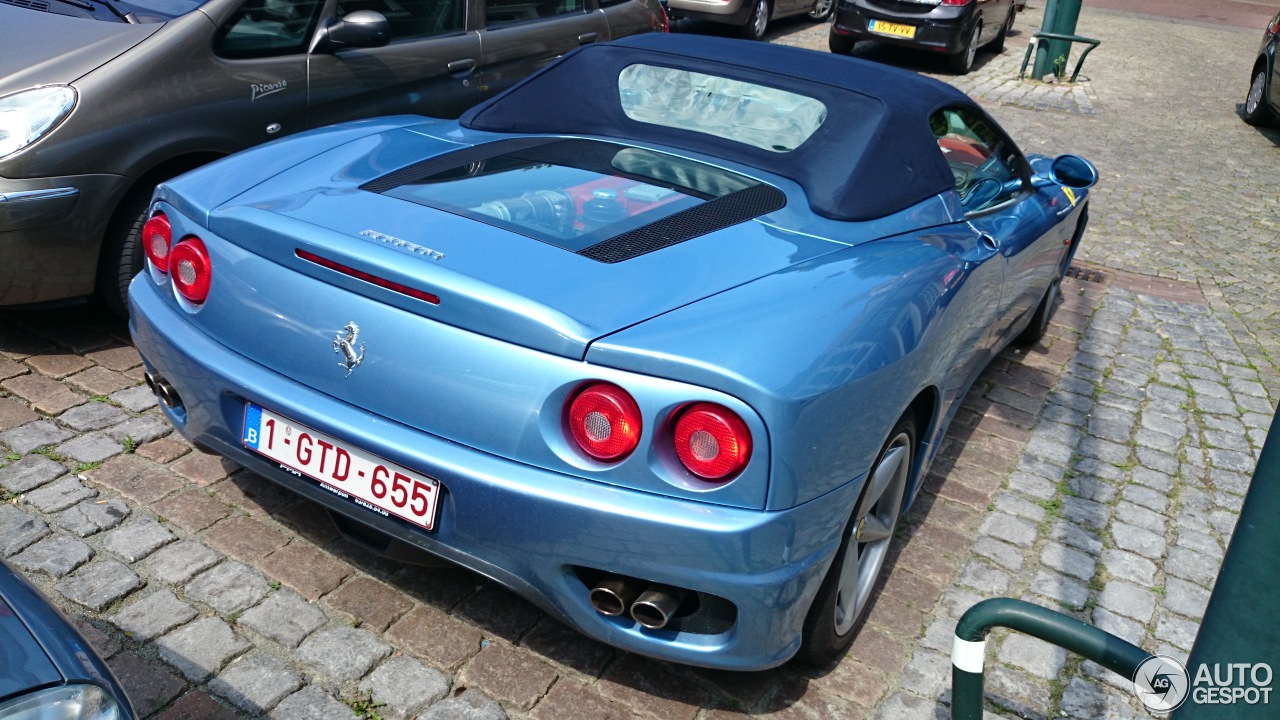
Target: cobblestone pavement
1099	473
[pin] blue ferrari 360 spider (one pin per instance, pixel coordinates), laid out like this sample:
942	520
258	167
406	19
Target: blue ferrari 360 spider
662	339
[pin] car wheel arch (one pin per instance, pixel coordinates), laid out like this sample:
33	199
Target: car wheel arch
121	221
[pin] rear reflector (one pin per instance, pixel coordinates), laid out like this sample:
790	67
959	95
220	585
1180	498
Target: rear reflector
604	421
157	236
189	263
712	442
374	279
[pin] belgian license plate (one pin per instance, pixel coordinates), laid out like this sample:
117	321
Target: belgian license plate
895	29
376	484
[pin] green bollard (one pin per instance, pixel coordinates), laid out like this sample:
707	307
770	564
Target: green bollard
1060	16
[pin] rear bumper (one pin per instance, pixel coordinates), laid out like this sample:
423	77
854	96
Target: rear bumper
525	527
942	29
730	12
51	233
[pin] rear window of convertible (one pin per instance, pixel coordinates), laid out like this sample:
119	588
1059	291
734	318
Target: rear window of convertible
744	112
605	201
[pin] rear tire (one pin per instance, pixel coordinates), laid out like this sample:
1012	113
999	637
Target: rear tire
122	255
997	45
758	21
962	62
842	602
840	44
1256	111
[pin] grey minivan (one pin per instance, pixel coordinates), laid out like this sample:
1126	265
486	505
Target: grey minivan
101	100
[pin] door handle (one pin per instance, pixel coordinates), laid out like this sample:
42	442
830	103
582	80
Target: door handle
461	66
589	37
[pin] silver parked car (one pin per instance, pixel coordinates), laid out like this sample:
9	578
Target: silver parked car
751	17
101	100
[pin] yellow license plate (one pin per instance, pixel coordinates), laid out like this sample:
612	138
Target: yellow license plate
894	29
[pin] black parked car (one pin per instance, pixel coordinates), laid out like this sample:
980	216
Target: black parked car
101	100
47	669
1262	104
955	27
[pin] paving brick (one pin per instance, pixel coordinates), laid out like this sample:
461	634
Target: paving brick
99	584
256	683
253	494
148	686
229	587
312	703
568	649
164	450
59	495
196	705
245	538
435	637
106	644
139	430
1184	598
1127	566
29	473
154	615
90	448
510	675
56	556
310	520
9	368
1001	553
92	416
498	612
342	654
137	398
375	604
851	679
651	689
135	478
1128	600
99	381
181	561
1060	589
204	469
1015	530
48	396
119	358
568	700
405	686
25	438
926	674
1188	564
138	539
18	529
1033	655
1138	540
201	648
92	515
192	510
308	570
284	617
14	413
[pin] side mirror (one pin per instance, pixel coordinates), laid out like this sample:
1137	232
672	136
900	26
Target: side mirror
1073	171
360	29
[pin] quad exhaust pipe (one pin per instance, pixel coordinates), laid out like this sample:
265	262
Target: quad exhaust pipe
653	606
163	390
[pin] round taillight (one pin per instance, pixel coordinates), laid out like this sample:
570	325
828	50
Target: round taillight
157	236
604	421
189	266
712	442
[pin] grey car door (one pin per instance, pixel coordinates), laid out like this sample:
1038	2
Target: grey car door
425	69
628	17
520	36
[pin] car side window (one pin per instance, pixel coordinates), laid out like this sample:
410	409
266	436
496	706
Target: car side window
985	164
268	28
505	12
409	19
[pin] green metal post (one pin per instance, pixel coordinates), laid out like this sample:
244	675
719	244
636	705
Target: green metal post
1064	631
1060	16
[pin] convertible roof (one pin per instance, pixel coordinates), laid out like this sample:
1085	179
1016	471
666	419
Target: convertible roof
873	155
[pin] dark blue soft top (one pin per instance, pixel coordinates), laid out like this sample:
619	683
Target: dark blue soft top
874	155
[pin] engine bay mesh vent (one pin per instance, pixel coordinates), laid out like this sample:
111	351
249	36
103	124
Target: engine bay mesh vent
30	4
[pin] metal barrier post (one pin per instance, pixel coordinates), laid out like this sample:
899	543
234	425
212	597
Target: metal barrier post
1060	17
969	649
